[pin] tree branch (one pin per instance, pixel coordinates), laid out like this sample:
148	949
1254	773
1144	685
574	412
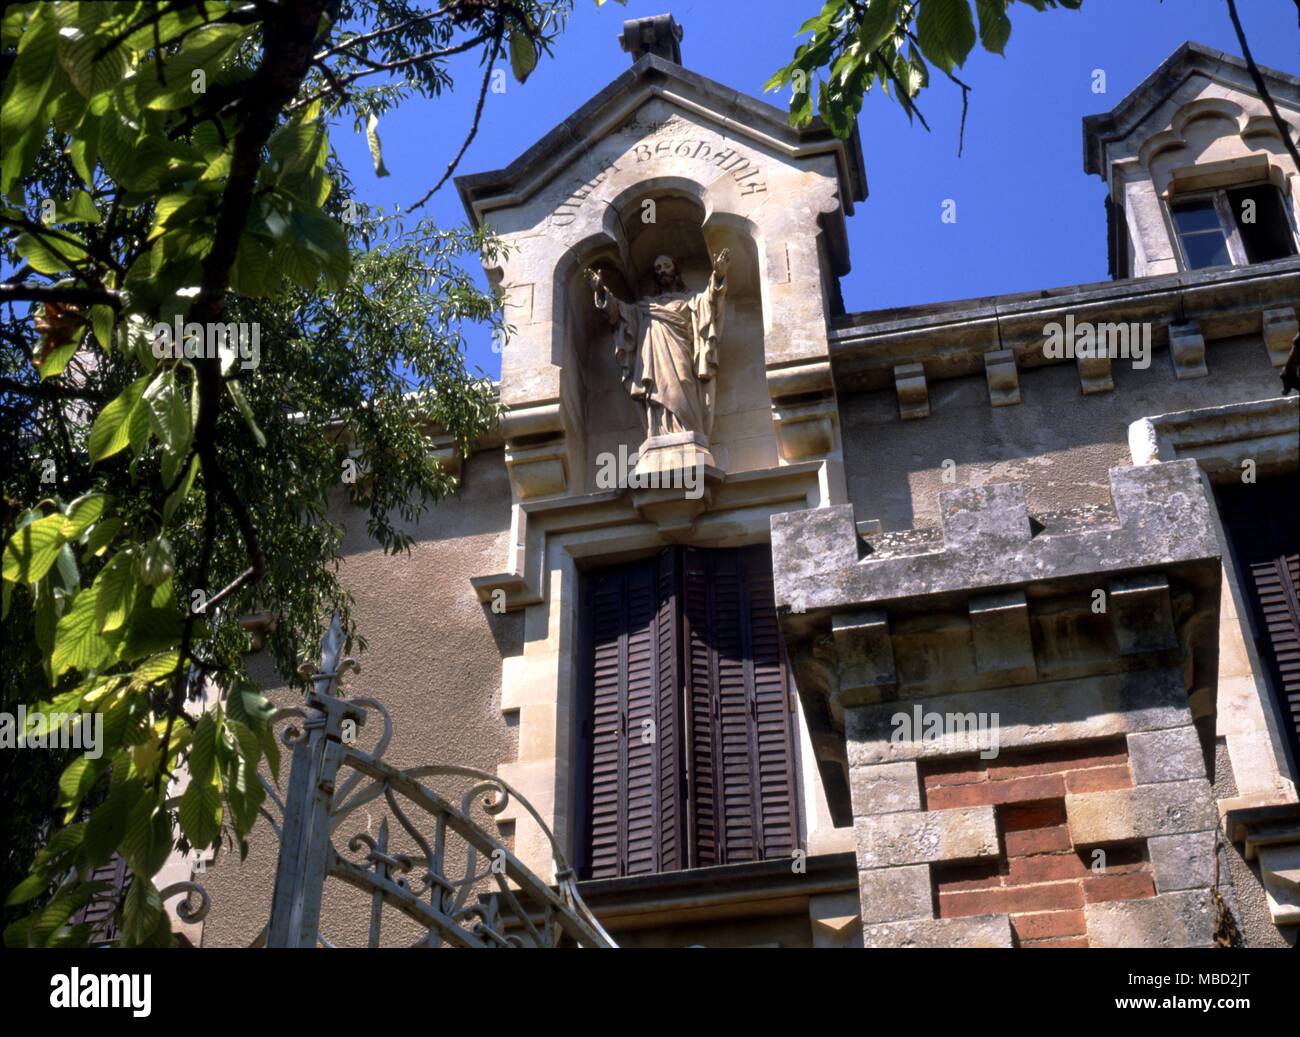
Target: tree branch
74	295
473	130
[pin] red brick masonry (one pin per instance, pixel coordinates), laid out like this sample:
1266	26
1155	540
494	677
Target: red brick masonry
1043	881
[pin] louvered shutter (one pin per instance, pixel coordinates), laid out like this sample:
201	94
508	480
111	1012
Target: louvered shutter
1261	523
635	816
740	765
99	912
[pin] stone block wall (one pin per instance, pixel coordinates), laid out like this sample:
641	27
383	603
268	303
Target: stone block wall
1101	842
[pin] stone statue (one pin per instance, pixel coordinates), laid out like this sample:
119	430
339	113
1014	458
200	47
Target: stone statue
667	346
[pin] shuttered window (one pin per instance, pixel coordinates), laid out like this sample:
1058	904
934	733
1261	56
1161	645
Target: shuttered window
1261	523
686	727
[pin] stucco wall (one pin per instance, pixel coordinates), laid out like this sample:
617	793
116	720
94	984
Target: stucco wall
434	659
1056	441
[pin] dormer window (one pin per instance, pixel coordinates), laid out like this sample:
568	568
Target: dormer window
1232	226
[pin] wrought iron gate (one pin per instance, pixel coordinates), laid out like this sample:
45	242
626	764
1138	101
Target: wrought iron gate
330	778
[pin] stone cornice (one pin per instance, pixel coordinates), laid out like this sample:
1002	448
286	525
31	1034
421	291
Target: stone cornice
950	339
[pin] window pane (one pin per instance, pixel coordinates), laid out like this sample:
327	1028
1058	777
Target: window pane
1262	221
1204	250
1197	215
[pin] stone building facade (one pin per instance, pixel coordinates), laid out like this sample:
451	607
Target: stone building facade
936	626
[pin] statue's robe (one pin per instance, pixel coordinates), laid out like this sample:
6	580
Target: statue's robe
667	347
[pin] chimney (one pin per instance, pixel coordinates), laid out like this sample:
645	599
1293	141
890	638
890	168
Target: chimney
659	35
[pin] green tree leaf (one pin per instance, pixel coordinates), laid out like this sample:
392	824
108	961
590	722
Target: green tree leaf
111	430
32	549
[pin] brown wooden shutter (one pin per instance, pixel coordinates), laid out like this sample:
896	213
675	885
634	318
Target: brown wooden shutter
1261	523
635	814
740	743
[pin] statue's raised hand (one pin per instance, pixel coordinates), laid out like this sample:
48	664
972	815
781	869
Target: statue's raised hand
593	279
721	261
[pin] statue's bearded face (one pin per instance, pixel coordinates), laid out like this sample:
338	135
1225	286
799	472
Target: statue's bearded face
665	272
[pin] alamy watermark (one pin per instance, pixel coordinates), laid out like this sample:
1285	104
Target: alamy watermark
617	471
1083	340
212	341
37	730
957	730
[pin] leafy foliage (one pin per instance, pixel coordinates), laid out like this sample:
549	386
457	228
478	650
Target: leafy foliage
170	164
856	44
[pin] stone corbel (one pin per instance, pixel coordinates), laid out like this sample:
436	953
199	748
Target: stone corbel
444	452
1142	614
1187	350
1000	633
538	449
913	392
865	656
804	409
1003	378
1094	374
805	430
1280	327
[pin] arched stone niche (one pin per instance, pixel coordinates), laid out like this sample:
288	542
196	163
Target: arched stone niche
666	216
776	197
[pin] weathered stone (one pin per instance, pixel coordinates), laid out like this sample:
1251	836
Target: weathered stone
1187	350
885	840
1183	861
1174	754
866	655
1120	815
896	894
977	931
1027	715
913	394
989	518
1141	614
1002	377
1184	919
1000	631
1163	519
885	788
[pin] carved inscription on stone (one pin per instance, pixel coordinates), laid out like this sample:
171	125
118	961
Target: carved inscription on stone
694	150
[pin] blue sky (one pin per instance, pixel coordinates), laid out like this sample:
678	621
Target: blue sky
1027	215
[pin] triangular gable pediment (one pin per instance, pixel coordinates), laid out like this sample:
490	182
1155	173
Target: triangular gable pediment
697	98
1146	109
